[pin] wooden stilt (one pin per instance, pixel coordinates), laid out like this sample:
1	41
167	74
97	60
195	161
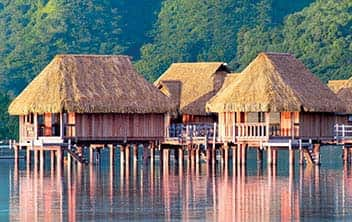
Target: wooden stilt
213	155
122	155
180	156
135	151
16	150
226	154
234	155
28	156
316	151
239	154
36	157
291	153
197	154
151	149
274	156
91	155
111	154
59	157
259	155
244	155
52	159
345	154
269	156
349	155
127	155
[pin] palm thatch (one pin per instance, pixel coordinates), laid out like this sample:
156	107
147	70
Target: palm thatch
196	84
276	82
336	85
90	84
343	90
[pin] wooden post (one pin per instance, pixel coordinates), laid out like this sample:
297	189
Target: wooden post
267	124
35	157
291	153
111	154
292	125
197	154
52	159
239	154
135	152
151	149
274	156
59	157
226	154
316	151
269	156
127	155
180	156
122	155
301	154
345	154
16	157
350	155
28	156
91	155
42	158
234	155
244	154
259	155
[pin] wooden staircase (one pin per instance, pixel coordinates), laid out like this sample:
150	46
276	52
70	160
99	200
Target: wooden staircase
76	156
310	157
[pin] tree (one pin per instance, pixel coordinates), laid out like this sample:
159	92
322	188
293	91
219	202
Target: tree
320	35
54	27
195	30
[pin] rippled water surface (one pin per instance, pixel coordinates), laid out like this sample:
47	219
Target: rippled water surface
160	192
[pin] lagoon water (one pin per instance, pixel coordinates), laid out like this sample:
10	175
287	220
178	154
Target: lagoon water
145	192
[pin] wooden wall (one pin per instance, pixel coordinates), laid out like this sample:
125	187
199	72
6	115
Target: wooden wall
317	125
189	119
130	126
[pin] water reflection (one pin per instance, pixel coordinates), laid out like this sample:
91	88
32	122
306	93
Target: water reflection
167	191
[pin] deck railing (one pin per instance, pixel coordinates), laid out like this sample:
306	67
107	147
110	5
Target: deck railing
251	131
191	130
343	131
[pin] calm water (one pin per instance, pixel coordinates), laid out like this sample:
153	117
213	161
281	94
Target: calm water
145	192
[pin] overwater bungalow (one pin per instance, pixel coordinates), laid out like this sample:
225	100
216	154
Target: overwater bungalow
90	99
276	101
190	86
343	90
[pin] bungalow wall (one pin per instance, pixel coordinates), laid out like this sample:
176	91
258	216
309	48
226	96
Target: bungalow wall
189	119
119	126
317	125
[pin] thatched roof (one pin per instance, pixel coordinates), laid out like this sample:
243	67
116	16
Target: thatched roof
336	85
276	82
90	84
193	83
343	90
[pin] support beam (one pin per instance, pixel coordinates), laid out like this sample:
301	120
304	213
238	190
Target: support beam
234	155
180	156
28	156
274	156
244	154
291	156
316	151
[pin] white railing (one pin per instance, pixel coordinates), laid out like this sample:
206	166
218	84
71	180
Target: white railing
250	131
343	131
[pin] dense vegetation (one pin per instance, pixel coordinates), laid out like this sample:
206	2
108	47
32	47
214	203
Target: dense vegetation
158	32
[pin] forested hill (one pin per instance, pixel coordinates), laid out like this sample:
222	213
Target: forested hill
156	33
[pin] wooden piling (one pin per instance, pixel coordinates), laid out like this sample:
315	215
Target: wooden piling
316	151
135	151
151	150
244	155
234	155
226	154
239	154
59	158
180	156
52	159
28	156
111	154
345	154
259	155
269	156
91	155
197	154
274	156
127	155
16	150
